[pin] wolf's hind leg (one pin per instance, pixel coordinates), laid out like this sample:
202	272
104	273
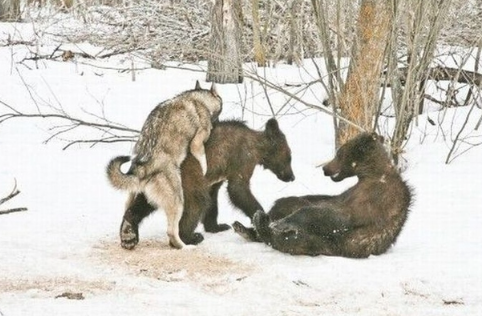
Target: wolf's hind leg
197	148
165	190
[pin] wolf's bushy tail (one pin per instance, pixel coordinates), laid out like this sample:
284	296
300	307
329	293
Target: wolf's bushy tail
119	180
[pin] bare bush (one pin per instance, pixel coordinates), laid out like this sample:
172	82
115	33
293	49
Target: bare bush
179	30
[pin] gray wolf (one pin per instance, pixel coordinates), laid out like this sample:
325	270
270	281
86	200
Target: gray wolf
233	150
173	129
364	220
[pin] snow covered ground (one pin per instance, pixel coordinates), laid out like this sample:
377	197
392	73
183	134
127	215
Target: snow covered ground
67	242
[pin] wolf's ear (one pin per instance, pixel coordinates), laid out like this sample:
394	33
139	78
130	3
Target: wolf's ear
272	128
214	90
198	85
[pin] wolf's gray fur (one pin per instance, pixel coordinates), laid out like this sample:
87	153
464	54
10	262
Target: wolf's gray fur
174	128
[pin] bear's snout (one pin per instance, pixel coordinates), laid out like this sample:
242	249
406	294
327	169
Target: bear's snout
286	176
331	168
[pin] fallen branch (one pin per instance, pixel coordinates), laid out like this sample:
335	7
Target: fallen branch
461	76
13	210
448	74
10	196
10	42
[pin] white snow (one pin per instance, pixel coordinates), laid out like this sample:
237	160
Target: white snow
67	241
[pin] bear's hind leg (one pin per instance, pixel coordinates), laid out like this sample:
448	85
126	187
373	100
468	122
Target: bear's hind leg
245	232
137	208
210	220
189	221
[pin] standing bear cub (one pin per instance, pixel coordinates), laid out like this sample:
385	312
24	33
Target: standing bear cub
364	220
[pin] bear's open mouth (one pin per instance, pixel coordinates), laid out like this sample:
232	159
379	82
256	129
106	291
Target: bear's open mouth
337	177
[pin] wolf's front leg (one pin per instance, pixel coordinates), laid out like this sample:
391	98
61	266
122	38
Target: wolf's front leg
197	148
165	190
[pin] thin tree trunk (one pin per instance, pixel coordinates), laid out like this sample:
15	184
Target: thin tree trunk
296	54
359	99
259	50
224	63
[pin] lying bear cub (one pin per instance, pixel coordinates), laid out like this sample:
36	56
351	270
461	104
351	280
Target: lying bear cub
362	221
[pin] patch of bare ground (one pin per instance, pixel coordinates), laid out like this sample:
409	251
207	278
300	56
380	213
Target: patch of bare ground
53	286
156	259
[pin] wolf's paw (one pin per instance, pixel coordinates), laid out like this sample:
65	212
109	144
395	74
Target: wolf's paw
216	228
129	235
194	239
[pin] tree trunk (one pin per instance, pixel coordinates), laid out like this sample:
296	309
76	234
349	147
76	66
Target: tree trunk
295	54
9	10
225	62
259	50
359	98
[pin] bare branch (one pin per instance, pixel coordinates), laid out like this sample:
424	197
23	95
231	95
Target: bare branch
275	87
110	140
111	132
10	196
13	210
75	121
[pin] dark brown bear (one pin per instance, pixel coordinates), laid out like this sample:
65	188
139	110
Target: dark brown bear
362	221
232	151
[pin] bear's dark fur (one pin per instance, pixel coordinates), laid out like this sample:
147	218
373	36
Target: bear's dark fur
232	151
364	220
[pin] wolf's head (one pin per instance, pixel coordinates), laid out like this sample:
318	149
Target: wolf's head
211	100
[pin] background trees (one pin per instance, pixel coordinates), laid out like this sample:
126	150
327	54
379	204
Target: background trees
359	95
391	52
375	58
9	10
225	56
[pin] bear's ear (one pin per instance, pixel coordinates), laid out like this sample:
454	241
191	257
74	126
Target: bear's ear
198	85
272	128
378	138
